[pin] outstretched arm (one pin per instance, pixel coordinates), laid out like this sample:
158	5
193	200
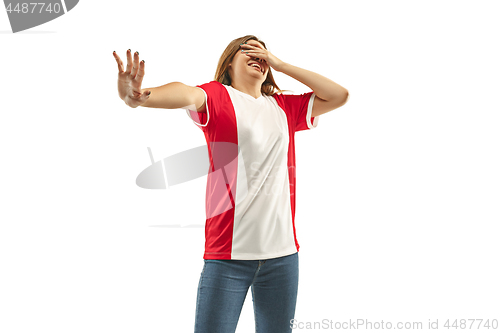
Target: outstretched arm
329	95
175	95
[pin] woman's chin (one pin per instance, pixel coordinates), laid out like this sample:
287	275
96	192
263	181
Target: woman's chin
257	76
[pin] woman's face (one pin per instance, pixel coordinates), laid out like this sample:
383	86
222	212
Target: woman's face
244	66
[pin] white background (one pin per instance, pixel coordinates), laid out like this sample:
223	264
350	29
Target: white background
397	191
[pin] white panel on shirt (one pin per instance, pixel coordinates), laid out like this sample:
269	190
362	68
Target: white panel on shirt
263	215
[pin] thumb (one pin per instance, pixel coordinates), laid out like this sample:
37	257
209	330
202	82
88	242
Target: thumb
145	95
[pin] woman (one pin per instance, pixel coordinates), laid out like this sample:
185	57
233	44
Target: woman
249	127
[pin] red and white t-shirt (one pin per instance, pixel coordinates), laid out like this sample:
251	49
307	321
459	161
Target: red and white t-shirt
250	198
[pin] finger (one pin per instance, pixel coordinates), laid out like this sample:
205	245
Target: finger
140	73
136	93
254	43
119	62
140	97
135	68
248	46
246	51
145	95
253	49
255	54
129	61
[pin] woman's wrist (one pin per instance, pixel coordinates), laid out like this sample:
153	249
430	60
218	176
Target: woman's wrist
281	66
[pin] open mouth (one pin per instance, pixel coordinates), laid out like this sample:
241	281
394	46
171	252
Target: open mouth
257	66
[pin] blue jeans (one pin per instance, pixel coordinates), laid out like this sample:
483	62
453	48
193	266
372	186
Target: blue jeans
224	285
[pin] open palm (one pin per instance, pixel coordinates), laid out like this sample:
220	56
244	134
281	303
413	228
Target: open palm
130	80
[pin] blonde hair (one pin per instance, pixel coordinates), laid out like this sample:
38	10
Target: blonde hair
269	87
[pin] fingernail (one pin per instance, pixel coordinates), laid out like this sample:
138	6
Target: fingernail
144	61
137	52
149	93
130	50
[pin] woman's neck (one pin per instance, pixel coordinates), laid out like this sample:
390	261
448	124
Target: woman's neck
252	89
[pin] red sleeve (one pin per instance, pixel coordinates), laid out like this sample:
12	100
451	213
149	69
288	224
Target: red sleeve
299	108
208	116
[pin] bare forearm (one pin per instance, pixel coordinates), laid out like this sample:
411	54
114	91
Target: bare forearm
322	87
173	95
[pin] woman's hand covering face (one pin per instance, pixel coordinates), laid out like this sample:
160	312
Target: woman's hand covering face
254	49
